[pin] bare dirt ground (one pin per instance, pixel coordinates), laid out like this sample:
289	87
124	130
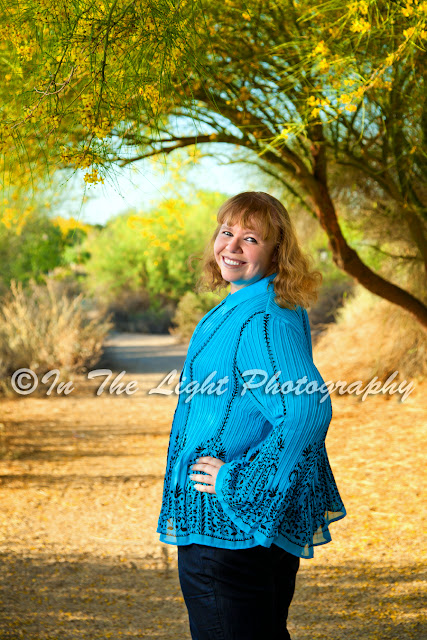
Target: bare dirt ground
81	481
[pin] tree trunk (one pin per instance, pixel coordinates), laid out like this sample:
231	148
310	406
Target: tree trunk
347	259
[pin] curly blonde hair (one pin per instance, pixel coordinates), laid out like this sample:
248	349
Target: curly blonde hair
295	282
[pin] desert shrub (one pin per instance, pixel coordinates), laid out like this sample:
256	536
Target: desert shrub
371	337
66	280
131	311
191	309
41	328
332	294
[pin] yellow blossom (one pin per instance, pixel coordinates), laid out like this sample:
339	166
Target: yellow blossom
407	11
363	6
150	93
93	177
360	25
323	65
320	49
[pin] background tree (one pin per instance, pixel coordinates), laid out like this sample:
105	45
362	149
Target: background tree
305	91
133	251
30	253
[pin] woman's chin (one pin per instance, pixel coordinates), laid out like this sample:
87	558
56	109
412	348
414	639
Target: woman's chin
230	276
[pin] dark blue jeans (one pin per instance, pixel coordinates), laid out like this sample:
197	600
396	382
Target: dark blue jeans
237	594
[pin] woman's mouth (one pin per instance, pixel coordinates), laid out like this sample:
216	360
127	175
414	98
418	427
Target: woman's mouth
232	264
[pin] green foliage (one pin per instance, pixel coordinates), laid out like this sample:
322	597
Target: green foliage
31	252
149	251
92	79
74	234
75	254
115	261
315	95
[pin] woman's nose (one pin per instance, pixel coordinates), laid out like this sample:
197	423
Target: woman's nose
234	245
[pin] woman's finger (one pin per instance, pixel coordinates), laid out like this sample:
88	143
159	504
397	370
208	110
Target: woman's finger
206	488
216	462
200	478
203	467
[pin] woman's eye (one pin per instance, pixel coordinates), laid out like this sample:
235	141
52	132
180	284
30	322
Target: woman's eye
249	238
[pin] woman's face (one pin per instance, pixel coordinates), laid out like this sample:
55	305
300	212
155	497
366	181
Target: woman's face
245	247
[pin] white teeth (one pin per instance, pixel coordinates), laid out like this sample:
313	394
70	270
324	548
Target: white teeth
231	262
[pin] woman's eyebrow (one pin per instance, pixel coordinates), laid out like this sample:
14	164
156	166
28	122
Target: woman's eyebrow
250	230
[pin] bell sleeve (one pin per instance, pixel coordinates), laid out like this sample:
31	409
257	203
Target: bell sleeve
274	493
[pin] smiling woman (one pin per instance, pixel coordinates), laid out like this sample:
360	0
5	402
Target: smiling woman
242	255
248	489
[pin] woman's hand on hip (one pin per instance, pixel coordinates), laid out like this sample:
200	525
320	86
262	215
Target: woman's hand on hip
210	466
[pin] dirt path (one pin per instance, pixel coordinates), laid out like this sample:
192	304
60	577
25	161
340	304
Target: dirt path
81	479
143	353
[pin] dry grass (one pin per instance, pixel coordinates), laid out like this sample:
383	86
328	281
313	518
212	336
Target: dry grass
42	329
372	338
190	310
81	489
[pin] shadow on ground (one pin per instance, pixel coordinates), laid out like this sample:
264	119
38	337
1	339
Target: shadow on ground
45	598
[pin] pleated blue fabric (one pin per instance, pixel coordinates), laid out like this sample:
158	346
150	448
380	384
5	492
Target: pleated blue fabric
268	426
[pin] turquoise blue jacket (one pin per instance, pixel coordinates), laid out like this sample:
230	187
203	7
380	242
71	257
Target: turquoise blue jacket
269	426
